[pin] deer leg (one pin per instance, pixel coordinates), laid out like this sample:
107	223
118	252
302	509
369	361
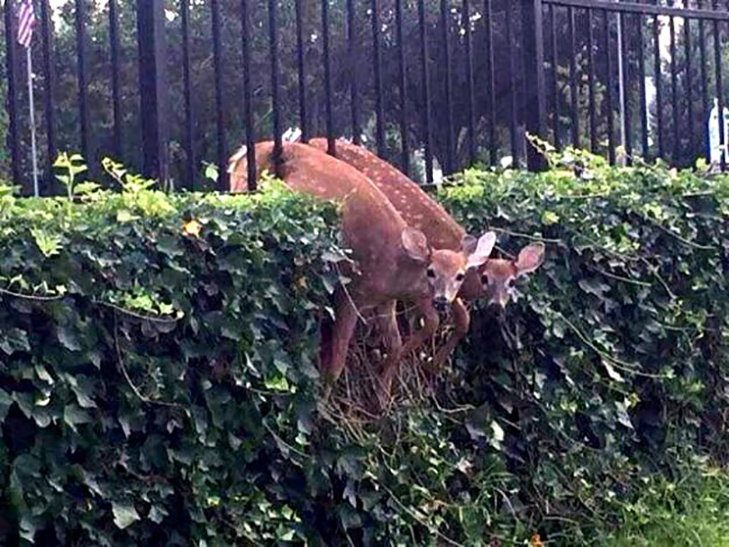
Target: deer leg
382	320
462	321
432	320
416	340
345	320
390	331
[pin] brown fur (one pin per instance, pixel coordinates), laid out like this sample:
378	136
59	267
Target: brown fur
374	231
415	206
421	211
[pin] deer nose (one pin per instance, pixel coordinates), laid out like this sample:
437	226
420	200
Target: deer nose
440	303
497	306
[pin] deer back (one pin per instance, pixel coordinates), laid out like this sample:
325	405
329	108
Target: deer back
371	225
415	206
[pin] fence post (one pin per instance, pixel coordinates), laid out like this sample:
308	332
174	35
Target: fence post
13	139
153	88
534	94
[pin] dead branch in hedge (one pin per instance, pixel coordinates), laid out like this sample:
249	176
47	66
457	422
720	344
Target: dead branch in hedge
32	297
127	377
138	316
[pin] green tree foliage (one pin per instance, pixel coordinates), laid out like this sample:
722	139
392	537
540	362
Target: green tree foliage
345	67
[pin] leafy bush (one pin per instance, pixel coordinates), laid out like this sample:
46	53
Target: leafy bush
158	378
615	363
148	344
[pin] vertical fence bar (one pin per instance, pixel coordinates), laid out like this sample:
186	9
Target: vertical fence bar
643	99
491	86
689	87
625	106
555	75
82	76
658	84
49	76
405	161
353	68
303	117
275	103
592	106
448	167
704	83
115	81
574	99
11	52
248	97
674	90
534	100
219	107
153	87
187	90
426	91
327	77
609	88
466	21
379	109
513	95
719	86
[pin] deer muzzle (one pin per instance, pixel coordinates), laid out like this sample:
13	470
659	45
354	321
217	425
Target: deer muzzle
441	304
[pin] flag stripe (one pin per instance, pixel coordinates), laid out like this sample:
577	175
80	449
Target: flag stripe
26	23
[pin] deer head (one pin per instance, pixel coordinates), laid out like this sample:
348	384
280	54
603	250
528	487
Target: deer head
447	269
499	275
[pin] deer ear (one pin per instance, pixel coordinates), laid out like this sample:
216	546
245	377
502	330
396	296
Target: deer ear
530	258
482	252
469	244
236	170
415	244
235	158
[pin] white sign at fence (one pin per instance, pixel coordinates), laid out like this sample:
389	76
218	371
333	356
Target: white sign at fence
714	140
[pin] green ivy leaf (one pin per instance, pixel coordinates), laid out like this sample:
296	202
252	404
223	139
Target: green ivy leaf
68	338
5	401
593	286
28	527
74	415
157	514
124	514
549	218
83	398
124	216
48	244
14	340
43	375
278	383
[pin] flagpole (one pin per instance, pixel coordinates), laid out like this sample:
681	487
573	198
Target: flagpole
621	89
31	103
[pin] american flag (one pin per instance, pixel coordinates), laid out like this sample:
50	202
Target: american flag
26	23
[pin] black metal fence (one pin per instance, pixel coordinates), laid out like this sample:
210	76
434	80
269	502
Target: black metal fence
663	65
173	87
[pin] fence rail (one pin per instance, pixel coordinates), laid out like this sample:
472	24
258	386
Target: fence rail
172	88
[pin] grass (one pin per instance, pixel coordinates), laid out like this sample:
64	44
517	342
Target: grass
691	511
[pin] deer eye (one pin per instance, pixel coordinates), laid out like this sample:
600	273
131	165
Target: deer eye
431	273
460	277
484	280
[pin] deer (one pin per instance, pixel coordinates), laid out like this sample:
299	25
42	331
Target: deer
394	261
493	280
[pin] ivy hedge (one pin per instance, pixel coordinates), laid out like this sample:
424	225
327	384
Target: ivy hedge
158	380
